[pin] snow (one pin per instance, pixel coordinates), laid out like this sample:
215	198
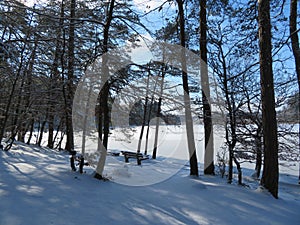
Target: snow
37	187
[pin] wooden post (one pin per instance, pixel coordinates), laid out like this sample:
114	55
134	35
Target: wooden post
81	164
72	160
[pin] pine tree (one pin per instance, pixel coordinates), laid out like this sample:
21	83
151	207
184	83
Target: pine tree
270	141
207	119
187	104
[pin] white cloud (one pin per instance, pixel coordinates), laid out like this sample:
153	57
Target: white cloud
142	54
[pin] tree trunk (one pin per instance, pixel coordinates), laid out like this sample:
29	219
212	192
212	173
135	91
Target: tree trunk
207	120
230	160
105	91
18	113
70	80
144	116
42	132
230	127
12	93
187	104
30	131
148	124
295	38
158	115
270	171
258	163
296	52
149	116
50	130
57	131
25	122
239	169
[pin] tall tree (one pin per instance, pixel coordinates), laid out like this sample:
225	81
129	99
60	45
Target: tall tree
295	38
296	50
207	120
146	109
16	47
70	78
54	77
187	105
270	141
105	93
158	112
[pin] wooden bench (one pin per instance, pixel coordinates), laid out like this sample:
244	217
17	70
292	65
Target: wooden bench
139	156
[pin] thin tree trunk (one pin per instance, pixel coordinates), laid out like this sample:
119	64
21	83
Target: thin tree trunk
296	52
258	148
239	169
70	80
207	120
57	131
187	104
11	95
28	88
55	76
149	116
105	90
42	132
158	115
148	124
144	115
31	131
230	160
17	121
295	38
58	146
270	171
147	131
38	132
231	137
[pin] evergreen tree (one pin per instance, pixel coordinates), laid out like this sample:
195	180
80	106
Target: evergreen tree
270	141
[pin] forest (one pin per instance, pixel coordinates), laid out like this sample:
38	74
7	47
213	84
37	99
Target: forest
74	70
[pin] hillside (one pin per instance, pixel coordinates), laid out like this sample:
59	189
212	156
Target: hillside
38	187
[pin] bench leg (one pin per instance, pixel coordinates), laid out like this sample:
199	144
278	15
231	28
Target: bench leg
126	159
139	161
72	163
81	163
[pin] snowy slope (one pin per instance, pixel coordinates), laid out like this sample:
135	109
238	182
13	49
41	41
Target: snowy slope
37	187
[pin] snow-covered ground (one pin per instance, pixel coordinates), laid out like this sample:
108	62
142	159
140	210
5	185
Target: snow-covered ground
37	187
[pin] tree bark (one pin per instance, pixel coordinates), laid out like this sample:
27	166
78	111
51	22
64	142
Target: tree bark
295	38
207	120
270	142
148	124
144	115
105	91
12	93
187	104
70	80
55	78
258	149
158	112
296	52
39	142
30	131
